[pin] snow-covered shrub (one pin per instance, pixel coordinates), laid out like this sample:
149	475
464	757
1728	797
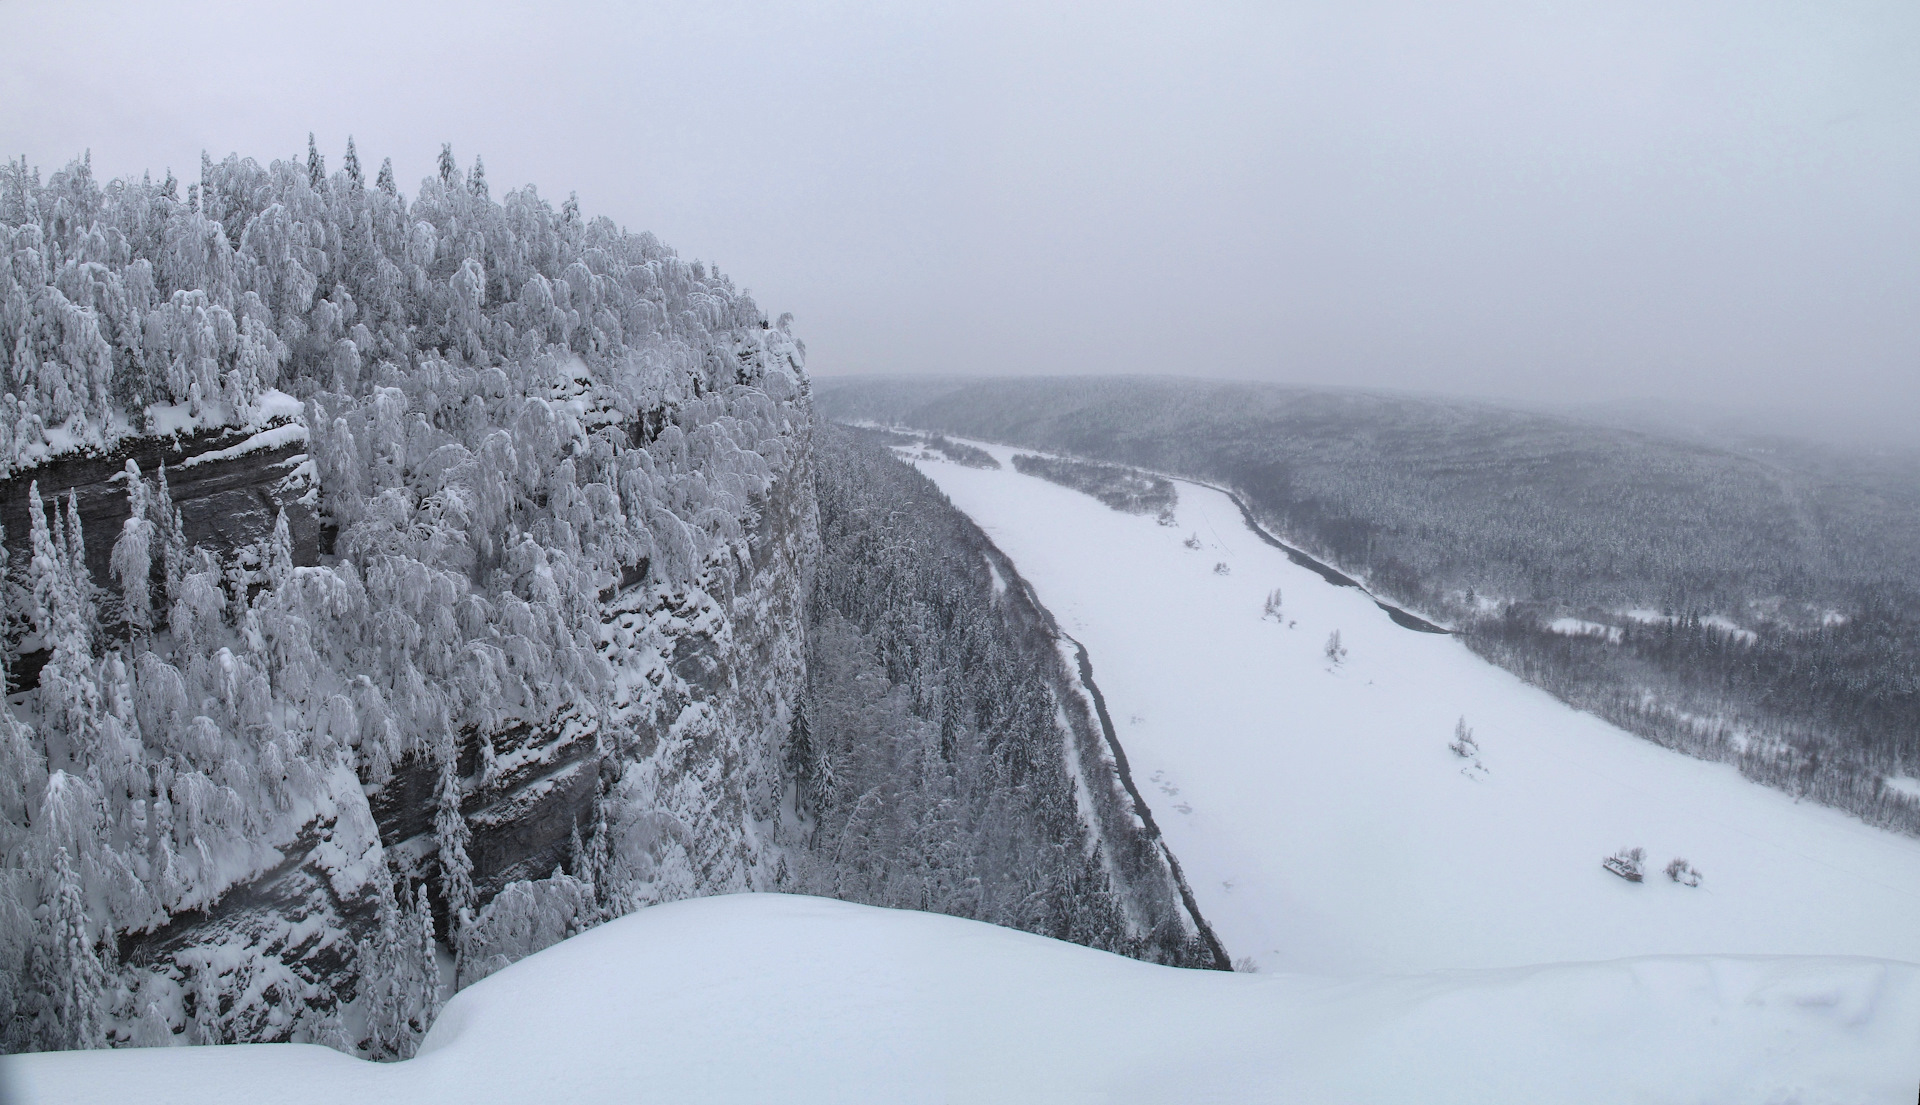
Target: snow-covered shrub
1626	863
1463	744
1334	651
1271	609
1682	872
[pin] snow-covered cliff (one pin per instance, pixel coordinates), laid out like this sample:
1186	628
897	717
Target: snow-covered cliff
385	576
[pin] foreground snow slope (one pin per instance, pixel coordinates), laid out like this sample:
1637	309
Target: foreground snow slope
773	998
1321	819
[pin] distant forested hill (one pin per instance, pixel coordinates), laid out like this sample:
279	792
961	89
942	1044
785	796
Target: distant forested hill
1762	607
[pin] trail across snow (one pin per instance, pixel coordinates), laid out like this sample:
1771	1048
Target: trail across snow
1320	817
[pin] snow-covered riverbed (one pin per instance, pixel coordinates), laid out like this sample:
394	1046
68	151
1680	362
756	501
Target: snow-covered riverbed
1322	820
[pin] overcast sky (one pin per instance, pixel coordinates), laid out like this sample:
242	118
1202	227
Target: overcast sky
1712	204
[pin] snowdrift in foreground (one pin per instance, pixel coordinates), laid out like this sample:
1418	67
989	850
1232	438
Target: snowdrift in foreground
782	998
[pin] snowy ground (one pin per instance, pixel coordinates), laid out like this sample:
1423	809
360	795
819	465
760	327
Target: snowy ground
769	998
1321	819
1426	932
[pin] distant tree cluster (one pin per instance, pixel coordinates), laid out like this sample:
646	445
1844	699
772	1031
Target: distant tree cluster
1127	490
960	452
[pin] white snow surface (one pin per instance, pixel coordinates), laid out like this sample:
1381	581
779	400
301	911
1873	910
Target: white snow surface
290	434
1321	819
762	998
1425	931
1577	627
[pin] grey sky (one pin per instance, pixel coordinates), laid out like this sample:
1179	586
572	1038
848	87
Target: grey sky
1713	203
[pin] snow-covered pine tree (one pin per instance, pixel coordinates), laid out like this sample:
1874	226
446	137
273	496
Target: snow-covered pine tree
66	978
171	534
600	869
316	165
451	832
425	1003
382	997
279	556
68	695
132	563
79	576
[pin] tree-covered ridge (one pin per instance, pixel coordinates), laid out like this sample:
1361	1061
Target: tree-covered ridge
122	301
515	418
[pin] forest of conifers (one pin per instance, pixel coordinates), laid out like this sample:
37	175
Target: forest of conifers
396	586
1761	607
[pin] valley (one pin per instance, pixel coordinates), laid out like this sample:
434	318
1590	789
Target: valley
1320	817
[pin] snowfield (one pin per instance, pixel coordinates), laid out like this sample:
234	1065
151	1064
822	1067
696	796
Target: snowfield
1322	820
1427	927
773	998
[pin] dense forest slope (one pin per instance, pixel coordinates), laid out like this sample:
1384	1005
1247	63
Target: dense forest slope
951	754
395	587
1758	608
380	571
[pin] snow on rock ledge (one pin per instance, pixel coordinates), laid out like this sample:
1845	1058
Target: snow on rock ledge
778	998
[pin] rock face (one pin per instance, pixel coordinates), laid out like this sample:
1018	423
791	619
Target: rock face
520	660
680	778
225	501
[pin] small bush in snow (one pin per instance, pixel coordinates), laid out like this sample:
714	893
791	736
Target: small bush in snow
1335	651
1192	542
1463	744
1246	965
1272	608
1626	863
1682	872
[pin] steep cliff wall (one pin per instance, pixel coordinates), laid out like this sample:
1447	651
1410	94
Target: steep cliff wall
669	769
462	615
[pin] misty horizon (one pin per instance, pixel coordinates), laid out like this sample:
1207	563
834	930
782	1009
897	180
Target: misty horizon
1706	208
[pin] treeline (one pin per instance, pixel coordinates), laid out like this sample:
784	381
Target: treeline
1500	521
960	452
937	759
1128	490
1768	706
120	301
